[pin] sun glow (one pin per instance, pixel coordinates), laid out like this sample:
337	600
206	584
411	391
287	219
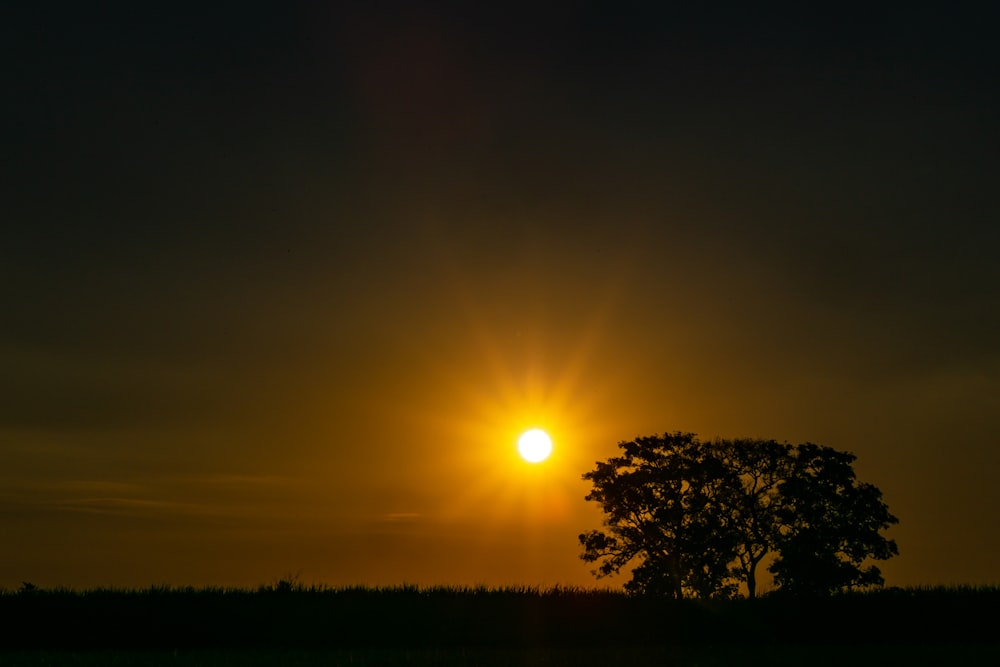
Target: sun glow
534	445
485	403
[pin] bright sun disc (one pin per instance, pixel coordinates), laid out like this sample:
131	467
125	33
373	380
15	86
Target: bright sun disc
534	445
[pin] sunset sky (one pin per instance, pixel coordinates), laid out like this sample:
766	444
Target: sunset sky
281	285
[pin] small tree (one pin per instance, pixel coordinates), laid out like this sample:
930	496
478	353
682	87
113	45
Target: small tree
758	467
661	501
829	525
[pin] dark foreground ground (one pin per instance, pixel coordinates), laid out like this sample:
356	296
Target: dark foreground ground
284	625
678	656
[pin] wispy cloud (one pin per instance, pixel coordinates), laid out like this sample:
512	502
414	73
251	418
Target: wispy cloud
94	486
124	506
230	479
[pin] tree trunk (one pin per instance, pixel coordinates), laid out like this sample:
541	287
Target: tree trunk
674	565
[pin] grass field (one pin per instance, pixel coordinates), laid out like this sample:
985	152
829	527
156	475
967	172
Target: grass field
288	625
678	656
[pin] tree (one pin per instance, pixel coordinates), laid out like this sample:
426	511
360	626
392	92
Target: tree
829	525
759	466
696	518
661	501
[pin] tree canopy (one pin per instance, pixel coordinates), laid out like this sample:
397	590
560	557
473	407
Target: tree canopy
695	518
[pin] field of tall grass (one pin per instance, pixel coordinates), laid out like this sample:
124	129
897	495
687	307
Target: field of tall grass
671	656
287	624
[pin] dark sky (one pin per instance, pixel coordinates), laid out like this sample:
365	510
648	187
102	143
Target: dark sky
281	284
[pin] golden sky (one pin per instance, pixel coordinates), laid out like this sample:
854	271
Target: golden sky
281	288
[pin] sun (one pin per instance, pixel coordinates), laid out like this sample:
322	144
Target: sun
534	445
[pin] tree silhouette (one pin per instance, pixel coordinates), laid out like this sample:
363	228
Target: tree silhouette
830	524
661	500
696	518
758	467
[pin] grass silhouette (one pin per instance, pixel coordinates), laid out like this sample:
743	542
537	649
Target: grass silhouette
296	624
